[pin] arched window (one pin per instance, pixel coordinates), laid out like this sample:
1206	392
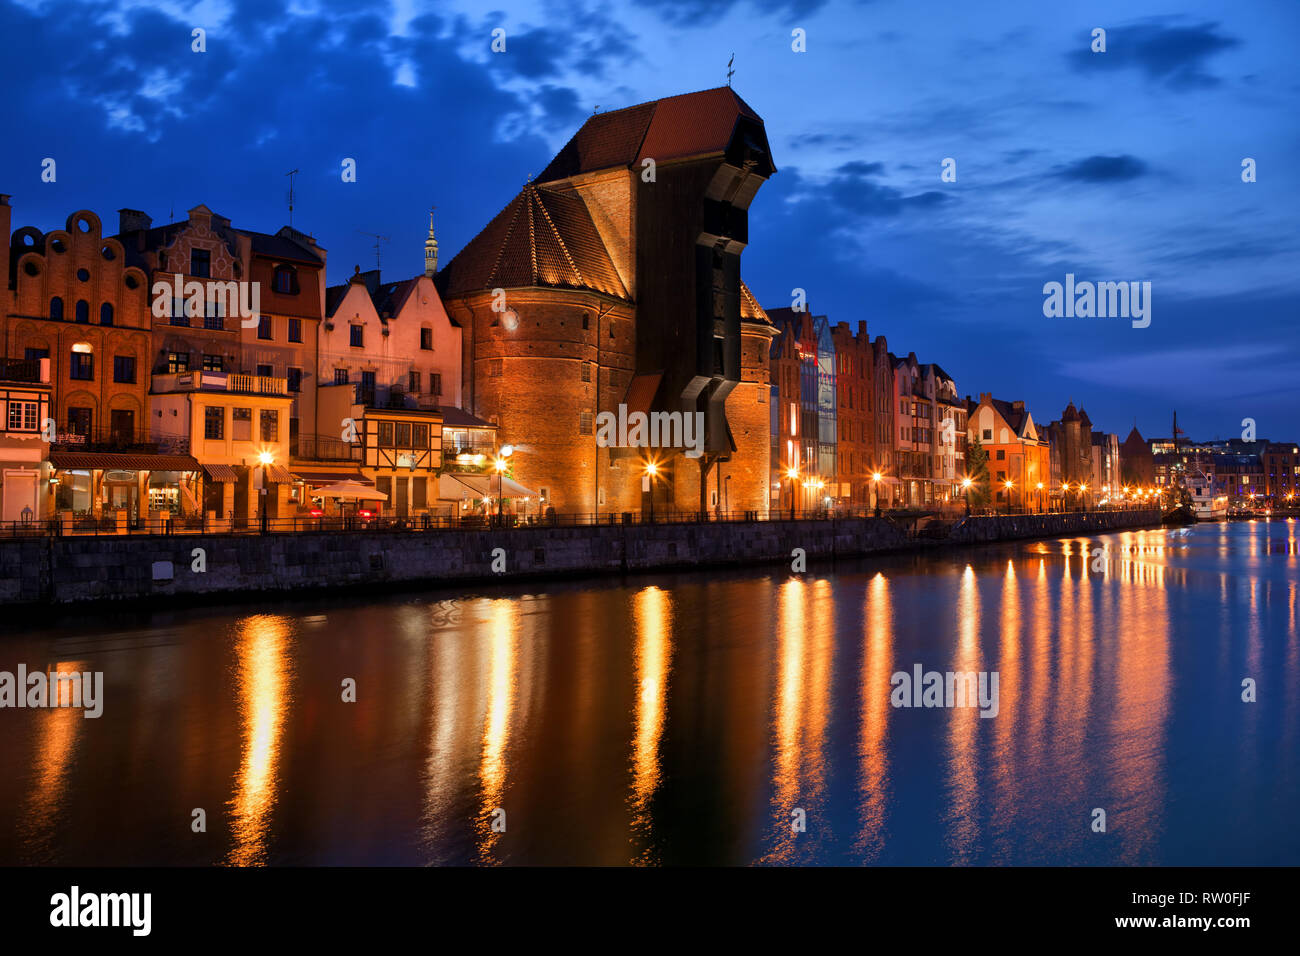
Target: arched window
106	314
56	307
83	311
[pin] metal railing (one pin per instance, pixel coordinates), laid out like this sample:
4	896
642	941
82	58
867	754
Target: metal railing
912	522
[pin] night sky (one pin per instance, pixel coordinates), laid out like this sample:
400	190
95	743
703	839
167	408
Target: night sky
1123	165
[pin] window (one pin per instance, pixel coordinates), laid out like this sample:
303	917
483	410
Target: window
82	367
211	363
426	339
403	435
178	362
121	425
386	434
214	422
32	355
265	371
83	311
586	321
586	371
987	435
178	316
340	376
22	416
419	436
295	379
295	330
435	383
264	327
286	281
241	420
584	423
213	315
356	336
270	425
56	308
413	383
124	369
1002	454
106	314
200	263
79	420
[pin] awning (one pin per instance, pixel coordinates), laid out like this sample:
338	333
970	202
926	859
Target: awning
329	477
124	461
222	473
641	392
279	474
452	487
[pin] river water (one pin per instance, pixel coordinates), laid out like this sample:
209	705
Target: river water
735	717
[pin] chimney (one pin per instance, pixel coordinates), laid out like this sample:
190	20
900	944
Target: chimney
131	220
5	210
986	397
862	327
1018	406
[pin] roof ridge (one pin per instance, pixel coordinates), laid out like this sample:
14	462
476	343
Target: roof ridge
529	198
510	231
564	247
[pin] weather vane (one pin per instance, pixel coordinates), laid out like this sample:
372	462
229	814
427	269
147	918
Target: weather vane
730	71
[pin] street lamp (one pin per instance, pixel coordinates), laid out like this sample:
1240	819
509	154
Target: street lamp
1040	497
264	458
793	475
1010	484
875	492
965	487
1083	488
651	470
500	465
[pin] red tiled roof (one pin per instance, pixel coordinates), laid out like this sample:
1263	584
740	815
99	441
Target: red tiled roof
544	237
126	461
675	127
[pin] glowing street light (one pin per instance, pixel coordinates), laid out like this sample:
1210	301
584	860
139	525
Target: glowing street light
651	471
793	474
875	491
265	459
1009	485
965	487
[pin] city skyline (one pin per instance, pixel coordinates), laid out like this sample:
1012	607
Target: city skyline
896	243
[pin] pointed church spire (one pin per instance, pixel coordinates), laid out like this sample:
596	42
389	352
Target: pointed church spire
431	249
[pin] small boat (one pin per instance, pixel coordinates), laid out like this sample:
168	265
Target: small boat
1207	503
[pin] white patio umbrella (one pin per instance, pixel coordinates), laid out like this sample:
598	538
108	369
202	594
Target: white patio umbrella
349	491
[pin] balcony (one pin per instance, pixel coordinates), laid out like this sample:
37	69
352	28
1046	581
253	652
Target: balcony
33	371
239	382
324	448
122	437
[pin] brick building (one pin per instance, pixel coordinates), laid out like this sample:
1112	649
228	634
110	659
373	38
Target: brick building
1137	467
855	368
614	279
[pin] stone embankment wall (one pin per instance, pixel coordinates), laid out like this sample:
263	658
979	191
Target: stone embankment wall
68	570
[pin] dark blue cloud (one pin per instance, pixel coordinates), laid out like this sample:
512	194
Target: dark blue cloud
1104	169
1175	56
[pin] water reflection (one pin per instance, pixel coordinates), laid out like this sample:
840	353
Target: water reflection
675	719
653	659
873	741
263	674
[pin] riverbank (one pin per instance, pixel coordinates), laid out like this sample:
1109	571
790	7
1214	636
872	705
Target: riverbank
160	569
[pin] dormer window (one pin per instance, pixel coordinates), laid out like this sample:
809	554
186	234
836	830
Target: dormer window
286	280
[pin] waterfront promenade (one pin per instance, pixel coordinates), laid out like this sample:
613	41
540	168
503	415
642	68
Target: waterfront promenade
45	570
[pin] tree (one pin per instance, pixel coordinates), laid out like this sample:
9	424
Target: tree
977	469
